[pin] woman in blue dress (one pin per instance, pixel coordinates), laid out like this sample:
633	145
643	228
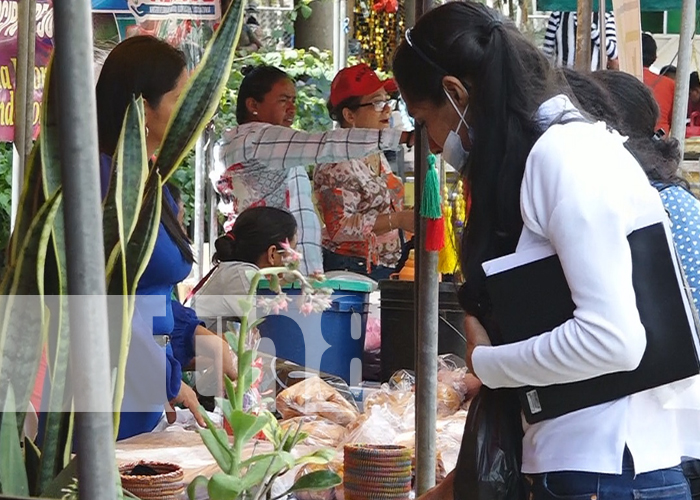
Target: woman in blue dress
163	331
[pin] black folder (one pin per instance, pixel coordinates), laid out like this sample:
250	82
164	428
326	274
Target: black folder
534	298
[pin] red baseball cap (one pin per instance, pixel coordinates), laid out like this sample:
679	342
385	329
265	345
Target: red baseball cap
357	81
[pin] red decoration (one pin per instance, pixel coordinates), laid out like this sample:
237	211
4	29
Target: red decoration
435	235
388	6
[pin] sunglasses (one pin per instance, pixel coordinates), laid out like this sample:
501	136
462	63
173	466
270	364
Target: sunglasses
380	105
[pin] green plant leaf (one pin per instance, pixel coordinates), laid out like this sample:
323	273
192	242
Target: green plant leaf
224	487
245	426
265	468
245	372
232	339
216	441
226	407
199	481
32	456
137	254
286	457
201	96
24	323
13	476
305	11
132	160
62	480
30	200
318	457
48	157
230	392
315	481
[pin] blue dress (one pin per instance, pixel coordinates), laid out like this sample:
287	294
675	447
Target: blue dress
684	211
154	373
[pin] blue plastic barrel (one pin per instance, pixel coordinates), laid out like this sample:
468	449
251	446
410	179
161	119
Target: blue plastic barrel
331	342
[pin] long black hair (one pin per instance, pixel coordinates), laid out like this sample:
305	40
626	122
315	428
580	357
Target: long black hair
592	98
257	82
139	66
639	113
507	78
255	230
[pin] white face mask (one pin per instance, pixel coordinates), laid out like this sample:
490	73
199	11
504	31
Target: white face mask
453	152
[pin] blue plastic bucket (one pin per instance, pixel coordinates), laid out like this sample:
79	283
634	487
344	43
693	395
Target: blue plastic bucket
332	342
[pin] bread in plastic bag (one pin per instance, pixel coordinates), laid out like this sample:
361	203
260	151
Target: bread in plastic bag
448	400
313	396
322	432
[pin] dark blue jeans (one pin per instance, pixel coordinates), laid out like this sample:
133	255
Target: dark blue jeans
336	262
666	484
691	469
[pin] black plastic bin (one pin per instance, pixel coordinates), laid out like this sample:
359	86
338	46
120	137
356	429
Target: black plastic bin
397	317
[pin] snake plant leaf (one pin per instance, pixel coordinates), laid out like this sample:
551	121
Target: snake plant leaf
24	322
29	202
201	96
143	240
32	455
13	476
59	342
124	197
137	253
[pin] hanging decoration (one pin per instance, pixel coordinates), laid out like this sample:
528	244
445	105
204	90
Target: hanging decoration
379	27
430	208
454	209
388	6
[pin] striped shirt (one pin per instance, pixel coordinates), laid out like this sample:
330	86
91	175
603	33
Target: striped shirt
560	38
259	164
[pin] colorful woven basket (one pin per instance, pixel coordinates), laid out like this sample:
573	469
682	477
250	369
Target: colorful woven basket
377	472
165	484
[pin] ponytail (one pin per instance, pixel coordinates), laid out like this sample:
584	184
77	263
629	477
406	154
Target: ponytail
254	232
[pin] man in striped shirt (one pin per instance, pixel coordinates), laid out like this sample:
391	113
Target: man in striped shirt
560	39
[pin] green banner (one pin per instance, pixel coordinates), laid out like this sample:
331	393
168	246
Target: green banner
647	5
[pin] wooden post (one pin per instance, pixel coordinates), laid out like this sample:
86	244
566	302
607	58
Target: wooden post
685	49
583	35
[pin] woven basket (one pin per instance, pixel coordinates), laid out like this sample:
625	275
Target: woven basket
166	485
377	472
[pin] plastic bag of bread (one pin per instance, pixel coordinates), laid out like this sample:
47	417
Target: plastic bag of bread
313	396
448	400
322	432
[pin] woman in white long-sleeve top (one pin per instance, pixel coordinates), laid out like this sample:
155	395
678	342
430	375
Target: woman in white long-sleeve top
541	173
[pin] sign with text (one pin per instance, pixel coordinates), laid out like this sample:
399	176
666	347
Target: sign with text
175	9
8	62
629	36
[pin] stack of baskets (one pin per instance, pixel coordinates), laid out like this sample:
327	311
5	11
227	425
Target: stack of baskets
164	481
377	472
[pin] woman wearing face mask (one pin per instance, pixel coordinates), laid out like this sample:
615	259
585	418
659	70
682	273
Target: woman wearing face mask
263	161
361	201
535	168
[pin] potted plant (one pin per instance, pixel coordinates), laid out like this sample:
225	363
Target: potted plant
252	478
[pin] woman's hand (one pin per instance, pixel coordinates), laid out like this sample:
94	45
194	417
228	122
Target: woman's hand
476	336
406	220
210	345
188	399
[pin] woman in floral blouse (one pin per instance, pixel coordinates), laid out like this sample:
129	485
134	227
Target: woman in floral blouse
361	201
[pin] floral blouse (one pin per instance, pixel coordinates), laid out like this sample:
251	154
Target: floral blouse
350	197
